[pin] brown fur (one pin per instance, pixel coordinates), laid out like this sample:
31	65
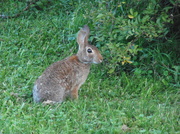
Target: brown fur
64	78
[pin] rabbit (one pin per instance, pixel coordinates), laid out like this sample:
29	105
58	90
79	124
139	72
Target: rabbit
63	78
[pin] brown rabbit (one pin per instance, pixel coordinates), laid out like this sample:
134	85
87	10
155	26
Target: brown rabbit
64	78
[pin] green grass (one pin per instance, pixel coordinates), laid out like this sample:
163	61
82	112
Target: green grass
30	44
103	107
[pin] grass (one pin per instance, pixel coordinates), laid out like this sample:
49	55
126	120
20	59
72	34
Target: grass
106	103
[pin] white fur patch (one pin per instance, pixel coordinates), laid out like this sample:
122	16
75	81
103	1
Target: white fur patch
35	94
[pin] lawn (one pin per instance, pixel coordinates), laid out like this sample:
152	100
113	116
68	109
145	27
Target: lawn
107	104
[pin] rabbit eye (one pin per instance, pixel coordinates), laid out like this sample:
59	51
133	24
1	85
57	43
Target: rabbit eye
89	50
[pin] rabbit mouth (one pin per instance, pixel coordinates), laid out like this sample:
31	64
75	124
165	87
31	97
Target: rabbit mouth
89	62
97	62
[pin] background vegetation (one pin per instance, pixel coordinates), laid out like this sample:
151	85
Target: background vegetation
135	89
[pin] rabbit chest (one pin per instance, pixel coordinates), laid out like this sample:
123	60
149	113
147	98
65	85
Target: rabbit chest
79	71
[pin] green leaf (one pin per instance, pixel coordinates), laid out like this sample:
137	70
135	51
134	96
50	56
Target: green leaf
145	18
135	14
158	21
131	11
100	16
130	16
111	71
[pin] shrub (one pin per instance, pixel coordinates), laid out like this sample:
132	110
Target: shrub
122	29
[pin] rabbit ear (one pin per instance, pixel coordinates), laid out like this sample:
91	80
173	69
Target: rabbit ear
83	35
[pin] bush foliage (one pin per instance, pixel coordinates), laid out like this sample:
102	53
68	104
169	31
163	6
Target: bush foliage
130	33
123	27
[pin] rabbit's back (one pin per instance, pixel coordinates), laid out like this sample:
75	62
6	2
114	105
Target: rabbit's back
59	79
